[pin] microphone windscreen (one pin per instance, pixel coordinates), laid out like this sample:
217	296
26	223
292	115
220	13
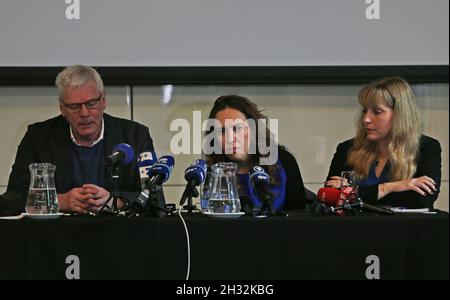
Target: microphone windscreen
329	196
163	166
196	172
127	151
144	162
258	176
146	159
167	160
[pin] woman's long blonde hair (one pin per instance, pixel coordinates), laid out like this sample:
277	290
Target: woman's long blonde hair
404	136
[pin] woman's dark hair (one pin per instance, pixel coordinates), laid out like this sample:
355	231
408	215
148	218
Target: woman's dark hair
251	112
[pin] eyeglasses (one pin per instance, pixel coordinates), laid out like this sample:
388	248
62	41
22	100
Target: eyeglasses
90	104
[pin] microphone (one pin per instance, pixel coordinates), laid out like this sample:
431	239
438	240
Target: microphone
161	170
337	199
195	175
158	174
122	153
331	196
145	161
260	181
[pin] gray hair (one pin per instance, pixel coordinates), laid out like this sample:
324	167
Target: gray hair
76	76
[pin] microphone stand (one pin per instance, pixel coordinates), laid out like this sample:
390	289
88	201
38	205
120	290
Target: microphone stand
150	202
189	193
115	194
266	205
350	207
266	209
157	202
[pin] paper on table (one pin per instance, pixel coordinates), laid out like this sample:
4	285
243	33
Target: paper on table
412	210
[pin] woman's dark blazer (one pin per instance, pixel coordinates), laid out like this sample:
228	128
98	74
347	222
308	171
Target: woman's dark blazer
428	164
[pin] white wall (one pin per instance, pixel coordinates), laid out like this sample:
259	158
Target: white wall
223	33
313	119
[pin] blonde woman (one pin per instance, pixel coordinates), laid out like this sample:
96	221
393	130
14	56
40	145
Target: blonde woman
395	163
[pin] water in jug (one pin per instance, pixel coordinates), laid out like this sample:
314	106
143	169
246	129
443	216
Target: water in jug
42	197
223	194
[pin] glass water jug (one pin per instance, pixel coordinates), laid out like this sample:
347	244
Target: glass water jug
42	198
223	194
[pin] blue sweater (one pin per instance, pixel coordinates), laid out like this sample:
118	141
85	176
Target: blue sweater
88	165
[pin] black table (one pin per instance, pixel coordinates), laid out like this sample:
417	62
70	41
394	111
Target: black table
295	247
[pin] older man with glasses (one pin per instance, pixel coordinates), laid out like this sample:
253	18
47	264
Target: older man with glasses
77	142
